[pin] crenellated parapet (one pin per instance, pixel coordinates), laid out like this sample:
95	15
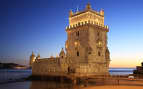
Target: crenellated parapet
88	14
105	27
72	14
87	9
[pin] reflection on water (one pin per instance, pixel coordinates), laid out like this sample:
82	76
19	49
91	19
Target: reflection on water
78	85
52	85
12	74
7	75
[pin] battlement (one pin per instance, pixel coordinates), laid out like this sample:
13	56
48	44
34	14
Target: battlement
80	12
87	23
86	15
48	59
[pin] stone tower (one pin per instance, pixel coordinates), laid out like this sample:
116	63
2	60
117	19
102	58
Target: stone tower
86	45
32	59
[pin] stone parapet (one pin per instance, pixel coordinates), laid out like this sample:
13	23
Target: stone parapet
87	23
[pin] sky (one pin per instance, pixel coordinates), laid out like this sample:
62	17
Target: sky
39	26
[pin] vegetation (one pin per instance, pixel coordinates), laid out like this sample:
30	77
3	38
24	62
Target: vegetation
9	65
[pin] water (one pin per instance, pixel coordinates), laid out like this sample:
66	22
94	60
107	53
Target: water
10	75
121	71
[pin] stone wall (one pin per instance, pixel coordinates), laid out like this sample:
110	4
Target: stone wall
46	66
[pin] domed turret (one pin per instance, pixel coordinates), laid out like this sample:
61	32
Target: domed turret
70	13
107	54
102	12
88	6
62	53
32	59
38	56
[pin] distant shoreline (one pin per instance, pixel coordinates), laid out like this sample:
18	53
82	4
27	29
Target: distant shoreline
12	66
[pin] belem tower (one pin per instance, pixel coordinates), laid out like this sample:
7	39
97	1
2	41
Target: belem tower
86	51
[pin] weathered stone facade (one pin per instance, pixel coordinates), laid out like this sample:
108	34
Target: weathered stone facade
86	47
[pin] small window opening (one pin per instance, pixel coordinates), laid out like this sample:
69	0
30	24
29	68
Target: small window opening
99	54
77	53
89	52
98	33
77	33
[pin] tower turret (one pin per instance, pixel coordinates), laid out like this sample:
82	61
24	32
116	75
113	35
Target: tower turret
38	56
102	12
70	13
88	6
32	59
62	53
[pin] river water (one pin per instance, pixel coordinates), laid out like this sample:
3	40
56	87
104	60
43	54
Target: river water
7	76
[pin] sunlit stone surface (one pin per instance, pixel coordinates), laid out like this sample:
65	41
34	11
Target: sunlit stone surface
86	51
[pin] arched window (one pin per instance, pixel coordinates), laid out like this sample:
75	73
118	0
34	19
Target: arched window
99	54
98	33
77	33
77	53
89	52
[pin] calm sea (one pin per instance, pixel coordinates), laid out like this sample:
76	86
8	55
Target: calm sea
121	71
10	75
